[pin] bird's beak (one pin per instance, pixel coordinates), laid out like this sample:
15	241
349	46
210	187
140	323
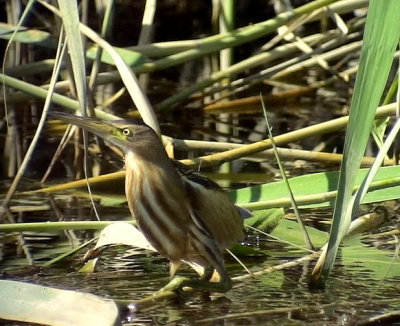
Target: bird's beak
102	129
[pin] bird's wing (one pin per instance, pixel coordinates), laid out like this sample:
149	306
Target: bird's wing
193	176
212	208
243	212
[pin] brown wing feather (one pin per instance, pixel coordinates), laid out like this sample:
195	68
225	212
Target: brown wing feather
191	175
213	207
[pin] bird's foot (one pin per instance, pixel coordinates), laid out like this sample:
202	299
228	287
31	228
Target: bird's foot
222	286
175	285
178	283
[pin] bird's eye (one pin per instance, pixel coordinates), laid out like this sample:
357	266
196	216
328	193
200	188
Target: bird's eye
126	132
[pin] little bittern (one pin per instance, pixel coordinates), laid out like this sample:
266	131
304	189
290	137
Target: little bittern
185	216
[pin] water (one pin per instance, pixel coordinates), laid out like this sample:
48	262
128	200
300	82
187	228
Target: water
352	294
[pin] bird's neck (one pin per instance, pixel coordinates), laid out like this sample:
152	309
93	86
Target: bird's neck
152	164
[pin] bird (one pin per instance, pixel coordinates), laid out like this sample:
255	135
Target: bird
184	215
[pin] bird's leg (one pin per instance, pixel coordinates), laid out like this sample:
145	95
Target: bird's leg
174	285
204	283
208	273
177	283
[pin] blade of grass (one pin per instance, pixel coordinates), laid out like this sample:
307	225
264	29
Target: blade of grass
127	75
307	239
106	24
70	17
380	40
40	127
296	135
41	93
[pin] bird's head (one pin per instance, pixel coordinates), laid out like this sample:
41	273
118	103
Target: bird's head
127	135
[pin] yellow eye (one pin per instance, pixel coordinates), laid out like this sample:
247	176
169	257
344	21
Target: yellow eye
126	132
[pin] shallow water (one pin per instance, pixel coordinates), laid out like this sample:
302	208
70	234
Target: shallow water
353	294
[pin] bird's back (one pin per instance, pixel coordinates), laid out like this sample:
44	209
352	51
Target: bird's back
212	205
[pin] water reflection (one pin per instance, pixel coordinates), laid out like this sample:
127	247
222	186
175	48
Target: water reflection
279	298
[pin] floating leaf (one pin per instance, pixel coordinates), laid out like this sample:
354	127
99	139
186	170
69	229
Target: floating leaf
118	233
44	305
265	220
318	187
381	263
289	231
